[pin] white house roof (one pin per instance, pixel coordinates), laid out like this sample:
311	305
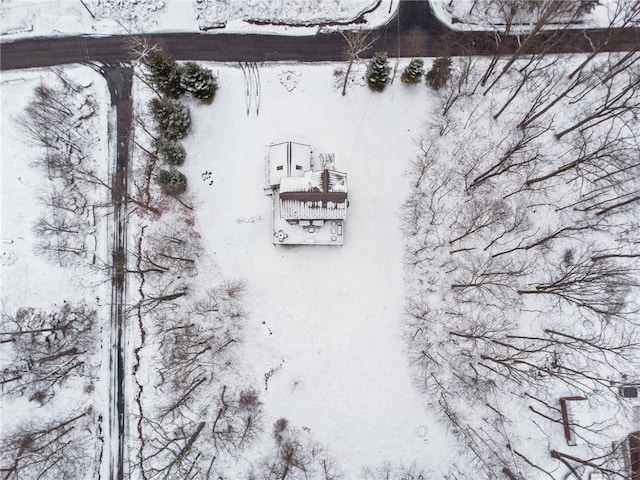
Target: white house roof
297	210
288	159
299	184
337	181
309	206
317	195
311	181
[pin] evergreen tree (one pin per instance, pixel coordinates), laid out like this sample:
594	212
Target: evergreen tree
440	73
172	118
172	151
378	71
164	73
172	181
199	82
414	71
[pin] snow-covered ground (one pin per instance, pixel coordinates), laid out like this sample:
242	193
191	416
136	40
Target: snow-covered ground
476	301
28	280
21	185
323	338
325	320
487	15
24	18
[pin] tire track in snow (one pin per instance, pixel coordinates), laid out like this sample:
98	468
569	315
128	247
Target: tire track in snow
251	74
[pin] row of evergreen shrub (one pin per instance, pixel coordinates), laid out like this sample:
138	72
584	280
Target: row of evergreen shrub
378	72
174	80
172	118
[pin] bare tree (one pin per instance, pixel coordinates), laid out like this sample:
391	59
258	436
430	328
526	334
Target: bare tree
296	456
611	464
389	471
595	156
579	86
358	42
166	257
546	11
623	15
57	119
460	85
195	414
173	249
142	179
189	437
47	349
619	101
204	336
522	280
61	119
62	449
538	72
600	287
62	237
507	11
519	153
238	421
489	282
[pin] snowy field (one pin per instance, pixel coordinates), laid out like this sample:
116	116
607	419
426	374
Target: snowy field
23	18
326	321
31	281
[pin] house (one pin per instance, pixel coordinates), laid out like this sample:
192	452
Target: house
628	449
309	198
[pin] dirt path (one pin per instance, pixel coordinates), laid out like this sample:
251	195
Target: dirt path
119	79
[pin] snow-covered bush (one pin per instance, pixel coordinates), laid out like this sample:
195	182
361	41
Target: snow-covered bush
301	12
173	80
171	151
440	73
127	12
378	71
413	72
198	82
172	181
172	118
164	73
